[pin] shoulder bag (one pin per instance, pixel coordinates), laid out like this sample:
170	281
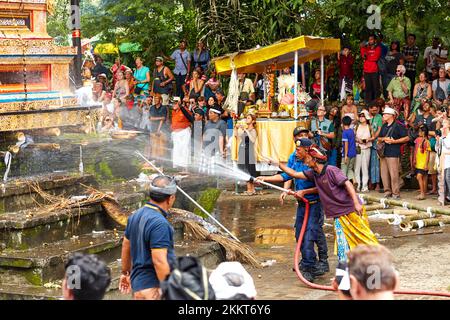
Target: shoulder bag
382	145
323	140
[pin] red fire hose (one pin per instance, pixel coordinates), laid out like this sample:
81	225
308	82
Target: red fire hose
330	288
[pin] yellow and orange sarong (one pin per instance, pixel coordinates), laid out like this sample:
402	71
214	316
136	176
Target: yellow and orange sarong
351	230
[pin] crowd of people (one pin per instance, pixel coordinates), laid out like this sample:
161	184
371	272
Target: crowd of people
183	110
357	146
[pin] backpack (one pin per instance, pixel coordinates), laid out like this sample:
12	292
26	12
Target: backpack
187	281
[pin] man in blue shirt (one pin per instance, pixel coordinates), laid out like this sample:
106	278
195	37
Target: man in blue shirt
182	69
309	266
148	246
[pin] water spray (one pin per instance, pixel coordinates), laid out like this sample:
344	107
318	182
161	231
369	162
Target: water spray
189	197
240	175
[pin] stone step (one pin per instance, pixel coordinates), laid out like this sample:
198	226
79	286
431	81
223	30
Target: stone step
46	263
30	228
210	253
16	194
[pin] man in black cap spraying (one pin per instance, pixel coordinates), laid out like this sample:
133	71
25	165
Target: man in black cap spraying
309	266
148	246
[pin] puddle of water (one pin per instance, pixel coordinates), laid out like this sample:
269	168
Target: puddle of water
258	221
274	235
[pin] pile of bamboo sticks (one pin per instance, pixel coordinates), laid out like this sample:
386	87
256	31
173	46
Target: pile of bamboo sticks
407	215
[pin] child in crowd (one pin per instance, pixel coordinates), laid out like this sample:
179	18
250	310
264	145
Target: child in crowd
421	158
348	148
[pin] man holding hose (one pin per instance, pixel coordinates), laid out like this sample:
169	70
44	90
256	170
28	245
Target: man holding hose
338	198
309	266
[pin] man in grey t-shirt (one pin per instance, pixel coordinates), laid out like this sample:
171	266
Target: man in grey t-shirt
214	135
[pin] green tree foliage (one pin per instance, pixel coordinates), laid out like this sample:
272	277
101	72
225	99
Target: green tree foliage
157	25
58	24
232	25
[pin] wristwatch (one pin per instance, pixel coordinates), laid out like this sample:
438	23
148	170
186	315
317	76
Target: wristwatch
125	273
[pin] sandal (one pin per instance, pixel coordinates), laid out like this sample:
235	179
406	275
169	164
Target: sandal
420	197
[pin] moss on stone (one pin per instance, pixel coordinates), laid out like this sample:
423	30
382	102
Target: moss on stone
208	199
2	206
34	277
105	170
17	263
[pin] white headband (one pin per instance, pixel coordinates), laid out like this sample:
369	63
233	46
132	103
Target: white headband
215	111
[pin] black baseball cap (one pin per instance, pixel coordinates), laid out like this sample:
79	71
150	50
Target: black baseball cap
303	142
300	129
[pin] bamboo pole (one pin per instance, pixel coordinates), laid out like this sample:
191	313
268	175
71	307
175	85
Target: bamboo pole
408	205
418	224
384	211
13	136
45	146
50	132
411	234
77	129
374	207
406	212
418	216
14	149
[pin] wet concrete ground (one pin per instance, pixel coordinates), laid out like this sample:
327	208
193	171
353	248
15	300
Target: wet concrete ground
422	260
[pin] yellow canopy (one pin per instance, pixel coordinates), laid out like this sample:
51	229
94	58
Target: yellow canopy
281	54
106	48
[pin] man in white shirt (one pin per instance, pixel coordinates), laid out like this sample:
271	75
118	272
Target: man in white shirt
441	88
435	55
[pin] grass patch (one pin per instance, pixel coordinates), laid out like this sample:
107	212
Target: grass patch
207	200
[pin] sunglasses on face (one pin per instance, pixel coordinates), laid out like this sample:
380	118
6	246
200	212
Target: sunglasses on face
320	109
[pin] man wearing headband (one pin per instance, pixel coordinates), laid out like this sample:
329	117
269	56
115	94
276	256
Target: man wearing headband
214	137
148	246
339	201
309	266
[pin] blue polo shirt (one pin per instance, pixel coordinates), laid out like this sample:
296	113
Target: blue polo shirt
148	229
296	164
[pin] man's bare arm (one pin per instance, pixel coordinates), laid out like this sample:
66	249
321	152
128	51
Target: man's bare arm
126	255
159	258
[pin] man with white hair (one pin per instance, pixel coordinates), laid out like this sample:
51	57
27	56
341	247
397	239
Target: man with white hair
393	135
399	91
